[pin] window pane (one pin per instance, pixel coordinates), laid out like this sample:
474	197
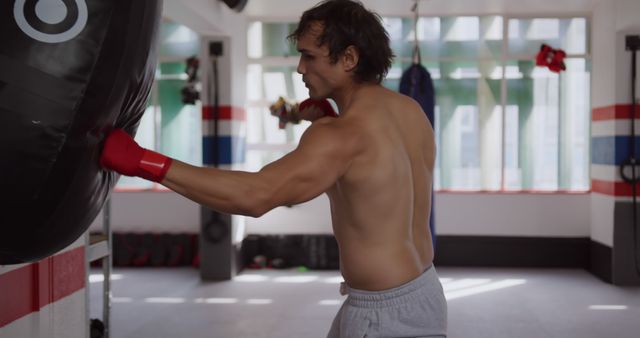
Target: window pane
181	124
460	37
275	85
574	121
274	40
254	40
491	28
446	37
402	36
463	28
254	82
255	125
490	124
262	127
456	97
512	172
393	26
281	81
527	35
392	80
300	91
536	98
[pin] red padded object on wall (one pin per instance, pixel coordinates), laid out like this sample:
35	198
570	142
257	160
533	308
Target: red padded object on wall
551	58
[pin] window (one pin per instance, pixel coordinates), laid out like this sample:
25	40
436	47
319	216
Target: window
552	110
502	124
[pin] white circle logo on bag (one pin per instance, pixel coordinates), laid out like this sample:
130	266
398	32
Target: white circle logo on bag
51	21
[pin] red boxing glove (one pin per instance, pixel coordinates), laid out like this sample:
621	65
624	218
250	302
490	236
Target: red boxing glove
123	155
557	64
322	105
551	58
544	56
285	112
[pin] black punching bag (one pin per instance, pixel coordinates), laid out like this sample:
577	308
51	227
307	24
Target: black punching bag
70	70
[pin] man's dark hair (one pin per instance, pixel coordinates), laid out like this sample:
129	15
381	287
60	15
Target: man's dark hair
347	23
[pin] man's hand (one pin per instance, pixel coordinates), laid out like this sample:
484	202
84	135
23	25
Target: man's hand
122	154
312	109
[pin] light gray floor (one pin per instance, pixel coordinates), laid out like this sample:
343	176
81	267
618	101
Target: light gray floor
157	303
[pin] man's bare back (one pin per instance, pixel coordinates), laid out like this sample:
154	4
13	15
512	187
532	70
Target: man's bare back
380	207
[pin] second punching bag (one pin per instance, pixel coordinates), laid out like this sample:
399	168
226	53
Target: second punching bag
70	70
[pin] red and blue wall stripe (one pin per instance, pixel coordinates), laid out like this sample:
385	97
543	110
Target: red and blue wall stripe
231	145
610	149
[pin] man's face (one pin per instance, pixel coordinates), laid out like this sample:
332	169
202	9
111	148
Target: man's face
318	73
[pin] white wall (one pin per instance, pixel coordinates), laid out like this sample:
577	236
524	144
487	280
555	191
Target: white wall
602	212
603	55
66	317
151	211
543	215
612	20
627	14
207	17
292	9
603	92
313	217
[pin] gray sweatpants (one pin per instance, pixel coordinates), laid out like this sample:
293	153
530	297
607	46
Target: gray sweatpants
415	309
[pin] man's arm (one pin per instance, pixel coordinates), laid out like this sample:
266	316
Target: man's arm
310	170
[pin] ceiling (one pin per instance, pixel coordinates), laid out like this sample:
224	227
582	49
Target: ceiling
293	8
213	17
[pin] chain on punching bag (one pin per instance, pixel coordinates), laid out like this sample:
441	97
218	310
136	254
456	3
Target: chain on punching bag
70	70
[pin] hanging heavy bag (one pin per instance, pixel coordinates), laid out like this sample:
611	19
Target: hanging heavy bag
70	70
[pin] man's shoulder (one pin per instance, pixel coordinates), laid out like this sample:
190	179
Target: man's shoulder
325	127
331	132
339	128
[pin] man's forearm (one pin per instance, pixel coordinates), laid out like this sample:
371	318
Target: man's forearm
233	192
227	191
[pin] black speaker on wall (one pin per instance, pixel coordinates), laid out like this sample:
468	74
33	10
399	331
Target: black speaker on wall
236	5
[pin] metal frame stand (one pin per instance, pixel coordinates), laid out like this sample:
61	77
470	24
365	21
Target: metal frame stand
100	248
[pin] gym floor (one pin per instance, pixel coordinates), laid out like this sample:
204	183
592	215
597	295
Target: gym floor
483	302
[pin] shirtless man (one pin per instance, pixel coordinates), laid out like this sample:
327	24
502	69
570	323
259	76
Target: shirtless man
375	162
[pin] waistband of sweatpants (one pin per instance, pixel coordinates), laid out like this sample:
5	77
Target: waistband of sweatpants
393	296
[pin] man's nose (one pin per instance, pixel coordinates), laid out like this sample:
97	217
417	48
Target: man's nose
301	68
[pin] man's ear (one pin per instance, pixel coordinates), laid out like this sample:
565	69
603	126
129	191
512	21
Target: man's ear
350	58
